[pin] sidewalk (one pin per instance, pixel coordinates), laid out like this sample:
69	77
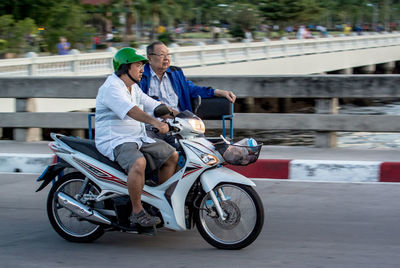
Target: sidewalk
275	162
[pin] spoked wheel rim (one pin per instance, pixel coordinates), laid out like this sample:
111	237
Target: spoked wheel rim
69	222
241	214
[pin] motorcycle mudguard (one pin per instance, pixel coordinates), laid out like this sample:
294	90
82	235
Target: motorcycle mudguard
212	177
50	173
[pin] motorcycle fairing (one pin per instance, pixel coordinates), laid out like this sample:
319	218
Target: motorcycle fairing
212	177
189	174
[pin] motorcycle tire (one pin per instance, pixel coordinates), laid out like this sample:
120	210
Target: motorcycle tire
244	216
66	223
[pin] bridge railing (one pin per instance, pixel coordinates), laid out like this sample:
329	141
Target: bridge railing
203	55
324	89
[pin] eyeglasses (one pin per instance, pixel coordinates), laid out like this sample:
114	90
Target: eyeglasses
140	66
162	55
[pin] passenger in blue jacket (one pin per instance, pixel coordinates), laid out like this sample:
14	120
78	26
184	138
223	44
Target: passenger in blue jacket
168	83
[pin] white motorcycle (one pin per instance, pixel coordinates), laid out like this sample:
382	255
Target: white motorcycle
93	197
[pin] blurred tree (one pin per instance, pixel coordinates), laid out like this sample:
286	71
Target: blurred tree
210	11
6	27
177	12
166	38
141	9
38	10
72	19
352	11
6	23
243	17
68	19
327	15
156	9
17	35
128	7
24	31
287	12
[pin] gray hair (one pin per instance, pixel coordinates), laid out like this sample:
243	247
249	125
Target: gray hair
150	48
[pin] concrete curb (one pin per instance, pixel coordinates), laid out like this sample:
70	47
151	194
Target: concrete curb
322	170
300	170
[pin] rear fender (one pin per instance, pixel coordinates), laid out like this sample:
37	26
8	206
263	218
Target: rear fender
212	177
50	173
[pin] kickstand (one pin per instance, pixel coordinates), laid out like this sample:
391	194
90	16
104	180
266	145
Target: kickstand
154	230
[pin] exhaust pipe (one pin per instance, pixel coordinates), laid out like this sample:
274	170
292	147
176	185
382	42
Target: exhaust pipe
80	209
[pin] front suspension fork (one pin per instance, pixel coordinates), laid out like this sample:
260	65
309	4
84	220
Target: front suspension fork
214	198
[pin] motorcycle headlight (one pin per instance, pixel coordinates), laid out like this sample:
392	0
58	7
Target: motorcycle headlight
207	159
197	125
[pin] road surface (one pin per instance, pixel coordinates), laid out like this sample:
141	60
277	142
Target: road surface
308	224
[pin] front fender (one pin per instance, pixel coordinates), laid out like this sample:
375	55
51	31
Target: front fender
212	177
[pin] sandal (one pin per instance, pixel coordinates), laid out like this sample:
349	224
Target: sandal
144	219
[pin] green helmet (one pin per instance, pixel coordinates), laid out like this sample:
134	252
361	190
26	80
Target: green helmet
126	55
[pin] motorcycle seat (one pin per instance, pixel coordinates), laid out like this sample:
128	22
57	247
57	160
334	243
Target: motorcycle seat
88	147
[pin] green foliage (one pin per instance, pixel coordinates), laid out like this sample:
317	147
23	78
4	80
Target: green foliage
290	11
166	38
210	11
236	31
18	35
117	39
68	20
134	44
101	46
76	21
23	31
6	26
3	45
246	16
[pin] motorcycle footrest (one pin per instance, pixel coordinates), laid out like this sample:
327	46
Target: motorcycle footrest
137	229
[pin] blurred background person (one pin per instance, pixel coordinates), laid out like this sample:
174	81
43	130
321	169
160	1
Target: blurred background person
301	32
63	47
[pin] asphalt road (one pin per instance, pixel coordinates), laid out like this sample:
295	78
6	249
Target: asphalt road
307	225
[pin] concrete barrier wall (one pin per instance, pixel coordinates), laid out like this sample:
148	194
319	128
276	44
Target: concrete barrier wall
325	89
301	86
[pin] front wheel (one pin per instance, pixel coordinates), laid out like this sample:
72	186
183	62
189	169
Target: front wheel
66	223
244	214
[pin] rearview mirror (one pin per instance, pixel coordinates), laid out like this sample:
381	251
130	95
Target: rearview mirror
162	110
196	103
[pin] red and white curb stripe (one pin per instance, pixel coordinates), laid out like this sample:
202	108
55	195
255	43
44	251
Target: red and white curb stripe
322	170
300	170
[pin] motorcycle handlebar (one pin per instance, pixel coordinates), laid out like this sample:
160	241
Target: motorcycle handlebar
170	129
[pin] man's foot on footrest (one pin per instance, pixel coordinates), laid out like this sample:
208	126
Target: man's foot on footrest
144	219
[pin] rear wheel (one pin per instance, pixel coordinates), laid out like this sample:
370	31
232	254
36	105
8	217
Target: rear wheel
244	217
66	223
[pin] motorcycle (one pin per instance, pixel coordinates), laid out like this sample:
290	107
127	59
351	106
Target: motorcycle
93	198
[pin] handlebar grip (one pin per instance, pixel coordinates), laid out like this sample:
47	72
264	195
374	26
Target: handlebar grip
170	128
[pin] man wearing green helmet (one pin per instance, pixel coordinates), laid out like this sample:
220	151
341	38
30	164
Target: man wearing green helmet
121	112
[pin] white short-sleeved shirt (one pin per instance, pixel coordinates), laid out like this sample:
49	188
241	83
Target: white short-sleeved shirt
113	125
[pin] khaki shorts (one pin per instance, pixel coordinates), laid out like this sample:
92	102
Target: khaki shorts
127	153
